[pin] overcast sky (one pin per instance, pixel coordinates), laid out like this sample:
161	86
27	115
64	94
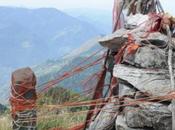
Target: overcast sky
67	4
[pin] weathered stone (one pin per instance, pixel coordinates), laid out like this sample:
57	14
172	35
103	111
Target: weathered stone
124	90
154	115
153	81
23	99
25	120
137	20
173	39
150	75
139	95
173	60
120	124
116	40
156	38
106	118
147	57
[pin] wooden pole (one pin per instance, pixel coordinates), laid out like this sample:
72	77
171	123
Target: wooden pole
23	99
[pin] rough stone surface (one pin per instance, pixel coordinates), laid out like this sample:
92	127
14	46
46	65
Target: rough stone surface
120	124
155	38
145	71
153	81
115	40
139	95
155	116
23	123
23	84
124	90
134	21
148	57
106	118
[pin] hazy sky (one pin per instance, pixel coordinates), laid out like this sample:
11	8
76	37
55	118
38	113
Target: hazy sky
66	4
60	4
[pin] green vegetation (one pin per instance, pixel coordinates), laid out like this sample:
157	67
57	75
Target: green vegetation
60	117
57	95
53	117
62	121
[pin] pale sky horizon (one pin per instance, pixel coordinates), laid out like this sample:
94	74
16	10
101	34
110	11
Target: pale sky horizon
69	4
59	4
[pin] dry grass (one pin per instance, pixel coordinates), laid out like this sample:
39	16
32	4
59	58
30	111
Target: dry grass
60	121
47	121
5	123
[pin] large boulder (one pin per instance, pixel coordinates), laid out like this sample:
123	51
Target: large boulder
155	82
155	115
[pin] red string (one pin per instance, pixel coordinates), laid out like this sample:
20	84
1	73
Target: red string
18	101
66	75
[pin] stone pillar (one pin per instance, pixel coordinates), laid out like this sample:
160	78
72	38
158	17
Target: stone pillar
23	99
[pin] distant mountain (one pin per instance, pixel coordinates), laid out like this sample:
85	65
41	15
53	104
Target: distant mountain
30	36
52	69
101	19
46	39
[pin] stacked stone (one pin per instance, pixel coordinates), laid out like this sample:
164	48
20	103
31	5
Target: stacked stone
142	74
23	99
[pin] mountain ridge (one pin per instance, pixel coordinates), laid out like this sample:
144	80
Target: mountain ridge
31	32
26	44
